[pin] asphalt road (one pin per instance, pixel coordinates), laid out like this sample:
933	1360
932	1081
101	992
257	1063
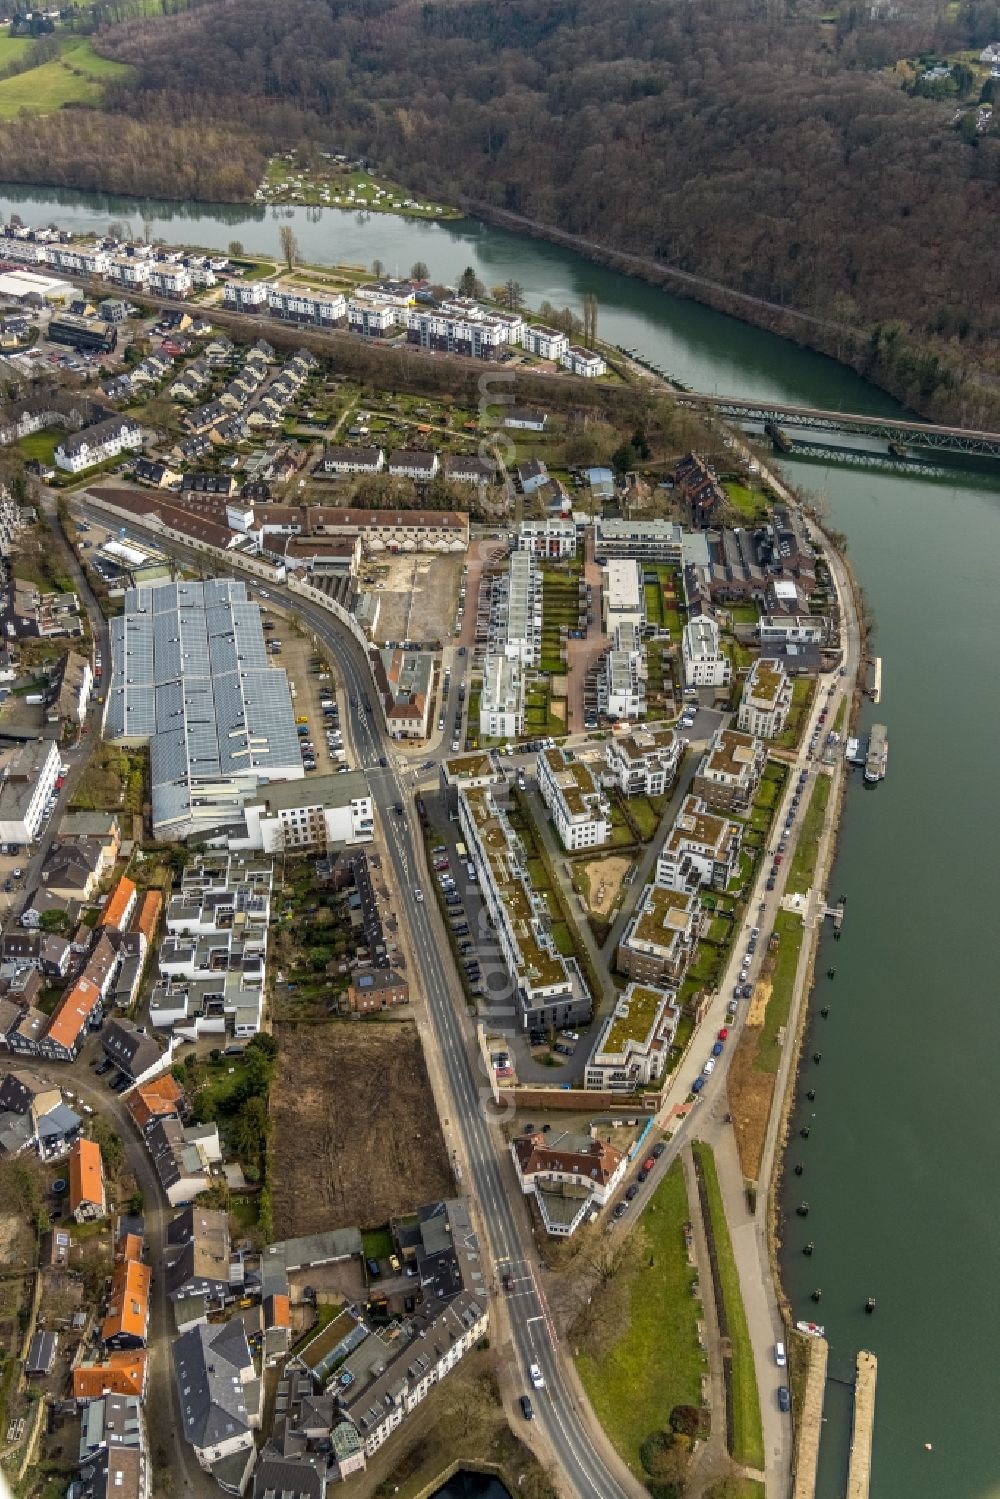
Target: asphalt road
565	1424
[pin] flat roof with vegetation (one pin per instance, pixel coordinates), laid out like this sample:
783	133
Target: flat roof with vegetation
635	1019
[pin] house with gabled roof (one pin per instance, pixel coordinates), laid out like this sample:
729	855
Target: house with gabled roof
87	1199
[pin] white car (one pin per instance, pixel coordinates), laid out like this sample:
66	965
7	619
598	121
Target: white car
418	894
709	1067
537	1377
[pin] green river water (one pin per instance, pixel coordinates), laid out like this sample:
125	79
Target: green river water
900	1165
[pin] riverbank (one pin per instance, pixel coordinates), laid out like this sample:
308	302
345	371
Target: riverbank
943	392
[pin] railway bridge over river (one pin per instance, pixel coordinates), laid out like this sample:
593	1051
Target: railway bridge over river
900	434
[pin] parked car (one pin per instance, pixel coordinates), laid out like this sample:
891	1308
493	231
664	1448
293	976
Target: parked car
526	1410
717	1049
632	1192
784	1398
697	1085
709	1067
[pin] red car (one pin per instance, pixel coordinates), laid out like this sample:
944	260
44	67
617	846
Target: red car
778	858
648	1163
724	1033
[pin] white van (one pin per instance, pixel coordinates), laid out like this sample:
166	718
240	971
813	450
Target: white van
779	1355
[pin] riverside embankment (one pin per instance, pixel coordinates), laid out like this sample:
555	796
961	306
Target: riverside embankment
898	1162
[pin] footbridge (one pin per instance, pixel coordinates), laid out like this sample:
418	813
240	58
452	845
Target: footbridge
899	433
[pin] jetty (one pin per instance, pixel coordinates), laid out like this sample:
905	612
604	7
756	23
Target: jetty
859	1472
810	1420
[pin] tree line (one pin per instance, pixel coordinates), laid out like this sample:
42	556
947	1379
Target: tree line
771	148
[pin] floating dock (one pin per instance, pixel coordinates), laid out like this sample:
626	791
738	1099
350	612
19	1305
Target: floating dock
859	1473
810	1421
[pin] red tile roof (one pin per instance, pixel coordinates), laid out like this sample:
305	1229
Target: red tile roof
86	1175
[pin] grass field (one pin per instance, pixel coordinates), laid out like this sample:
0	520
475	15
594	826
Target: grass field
748	1435
789	931
40	445
13	48
77	76
656	1363
803	866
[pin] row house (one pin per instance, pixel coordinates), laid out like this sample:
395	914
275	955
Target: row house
700	849
730	770
98	444
130	271
125	1324
413	463
699	491
633	1045
644	761
579	808
793	629
659	942
550	989
766	701
469	468
337	460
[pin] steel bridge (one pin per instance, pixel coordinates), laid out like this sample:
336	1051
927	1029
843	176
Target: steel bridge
903	434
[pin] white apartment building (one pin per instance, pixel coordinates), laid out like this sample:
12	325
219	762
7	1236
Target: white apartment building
634	1042
129	270
501	702
624	595
522	610
625	674
579	808
29	773
246	296
79	260
98	443
705	664
413	463
462	328
767	698
730	771
371	319
170	280
550	989
793	629
700	849
644	761
304	304
583	362
546	343
651	540
660	940
352	461
553	537
570	1176
317	813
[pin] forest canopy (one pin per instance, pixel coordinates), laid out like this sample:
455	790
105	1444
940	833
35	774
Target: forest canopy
789	151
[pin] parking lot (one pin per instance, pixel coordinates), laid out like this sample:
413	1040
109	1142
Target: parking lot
481	963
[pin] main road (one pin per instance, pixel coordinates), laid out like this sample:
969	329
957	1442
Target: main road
587	1468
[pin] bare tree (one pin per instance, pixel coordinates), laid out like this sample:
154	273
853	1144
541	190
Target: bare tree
419	271
289	245
235	248
378	269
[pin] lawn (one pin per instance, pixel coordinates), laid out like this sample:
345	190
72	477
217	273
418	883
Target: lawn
40	445
645	816
744	500
803	865
802	692
13	48
737	1487
788	930
377	1244
77	76
748	1436
656	1362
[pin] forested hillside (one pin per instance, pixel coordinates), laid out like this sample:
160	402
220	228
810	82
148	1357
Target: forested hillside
776	148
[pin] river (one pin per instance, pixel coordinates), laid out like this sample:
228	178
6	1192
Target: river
899	1166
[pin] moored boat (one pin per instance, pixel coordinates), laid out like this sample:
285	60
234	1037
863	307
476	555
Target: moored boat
811	1329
